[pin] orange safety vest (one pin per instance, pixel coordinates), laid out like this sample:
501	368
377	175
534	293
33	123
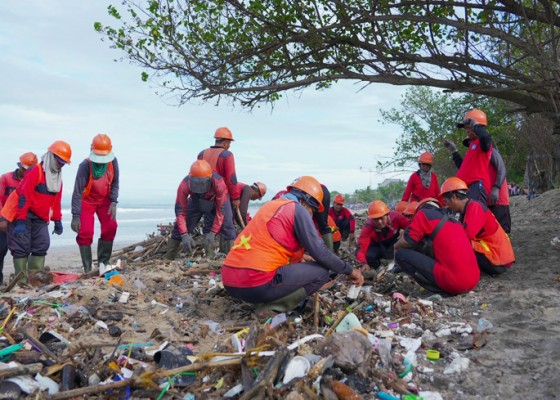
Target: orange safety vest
255	248
110	174
495	247
336	235
211	155
9	211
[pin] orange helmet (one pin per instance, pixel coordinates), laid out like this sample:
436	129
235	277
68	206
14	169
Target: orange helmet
338	199
410	208
426	158
377	209
401	206
223	133
477	115
101	145
260	188
427	200
27	160
452	184
200	169
311	187
62	150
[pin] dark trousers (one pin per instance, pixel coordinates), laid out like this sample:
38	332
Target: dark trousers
195	213
35	241
501	212
420	267
477	191
376	252
309	275
487	267
3	250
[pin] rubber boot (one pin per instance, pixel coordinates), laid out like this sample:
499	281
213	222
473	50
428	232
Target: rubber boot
210	251
225	245
104	250
85	253
173	247
20	265
286	303
327	238
35	263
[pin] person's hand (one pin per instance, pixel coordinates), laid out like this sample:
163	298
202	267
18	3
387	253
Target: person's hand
494	194
112	211
3	225
364	267
307	258
351	238
235	203
58	228
76	223
356	277
20	229
450	145
187	241
209	240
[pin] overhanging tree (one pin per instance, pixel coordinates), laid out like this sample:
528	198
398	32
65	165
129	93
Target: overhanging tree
251	51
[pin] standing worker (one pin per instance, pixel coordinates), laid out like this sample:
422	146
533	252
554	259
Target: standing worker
344	220
221	161
201	193
265	264
490	243
423	183
379	233
447	264
39	195
256	191
8	184
473	169
96	192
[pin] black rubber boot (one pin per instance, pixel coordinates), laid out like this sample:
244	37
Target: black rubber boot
85	253
104	250
173	247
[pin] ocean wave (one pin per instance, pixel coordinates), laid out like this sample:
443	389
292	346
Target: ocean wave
67	211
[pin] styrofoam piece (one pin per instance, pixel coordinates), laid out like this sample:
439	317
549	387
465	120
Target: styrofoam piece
353	292
47	384
234	391
348	323
298	367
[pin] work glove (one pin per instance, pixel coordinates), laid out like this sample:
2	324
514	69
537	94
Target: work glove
450	145
76	223
494	194
187	241
209	244
20	229
112	211
58	228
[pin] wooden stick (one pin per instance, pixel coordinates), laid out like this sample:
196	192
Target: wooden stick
40	345
197	367
317	309
14	281
240	219
91	389
30	369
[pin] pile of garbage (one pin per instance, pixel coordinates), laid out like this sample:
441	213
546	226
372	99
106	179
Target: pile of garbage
162	329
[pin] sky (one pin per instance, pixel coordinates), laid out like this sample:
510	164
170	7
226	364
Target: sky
59	81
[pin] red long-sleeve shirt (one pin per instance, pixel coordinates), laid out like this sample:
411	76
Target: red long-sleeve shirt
218	194
34	197
416	191
222	162
8	183
369	235
343	219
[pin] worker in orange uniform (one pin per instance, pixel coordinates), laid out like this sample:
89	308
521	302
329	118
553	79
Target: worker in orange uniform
491	244
96	192
221	160
265	264
379	233
435	251
401	206
256	191
423	183
39	196
473	168
202	193
410	209
344	220
8	184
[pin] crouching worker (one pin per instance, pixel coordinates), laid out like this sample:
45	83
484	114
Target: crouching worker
265	264
490	243
446	262
379	233
201	193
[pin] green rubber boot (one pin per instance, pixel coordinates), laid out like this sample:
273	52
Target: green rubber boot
85	253
104	250
225	245
327	238
173	247
284	304
35	263
20	265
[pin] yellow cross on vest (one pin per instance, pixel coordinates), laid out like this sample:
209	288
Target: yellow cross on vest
244	241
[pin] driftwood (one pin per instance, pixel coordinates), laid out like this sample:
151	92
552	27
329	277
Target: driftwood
30	369
316	312
29	336
265	381
14	281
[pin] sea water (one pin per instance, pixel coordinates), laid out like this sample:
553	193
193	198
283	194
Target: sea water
135	222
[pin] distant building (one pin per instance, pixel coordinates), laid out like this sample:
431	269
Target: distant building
388	182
